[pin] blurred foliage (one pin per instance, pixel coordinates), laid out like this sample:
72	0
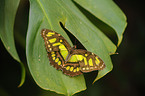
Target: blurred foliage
127	77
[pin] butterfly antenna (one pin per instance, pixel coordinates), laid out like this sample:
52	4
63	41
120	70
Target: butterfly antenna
113	53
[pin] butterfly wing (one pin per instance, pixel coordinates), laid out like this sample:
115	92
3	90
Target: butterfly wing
71	61
88	61
57	50
57	47
54	41
72	69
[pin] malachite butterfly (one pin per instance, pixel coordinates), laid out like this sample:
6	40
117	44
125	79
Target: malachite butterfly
70	60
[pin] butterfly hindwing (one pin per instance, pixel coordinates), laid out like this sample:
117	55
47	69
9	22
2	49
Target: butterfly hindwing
72	69
55	59
88	61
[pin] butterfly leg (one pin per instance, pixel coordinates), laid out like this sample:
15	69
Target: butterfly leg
70	54
68	57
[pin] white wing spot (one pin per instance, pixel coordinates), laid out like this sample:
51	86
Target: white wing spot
50	49
83	68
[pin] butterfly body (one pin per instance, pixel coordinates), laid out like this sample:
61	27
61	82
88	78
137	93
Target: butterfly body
70	60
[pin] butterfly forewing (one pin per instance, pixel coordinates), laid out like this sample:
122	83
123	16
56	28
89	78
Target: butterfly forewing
53	40
57	50
57	47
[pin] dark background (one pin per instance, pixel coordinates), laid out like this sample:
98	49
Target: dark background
126	79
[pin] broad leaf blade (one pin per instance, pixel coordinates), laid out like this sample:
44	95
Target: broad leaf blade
7	24
8	9
108	12
48	14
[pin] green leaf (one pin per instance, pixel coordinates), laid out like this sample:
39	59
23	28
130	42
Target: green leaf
108	12
48	14
8	9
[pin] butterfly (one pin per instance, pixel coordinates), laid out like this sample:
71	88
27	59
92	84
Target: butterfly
70	60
